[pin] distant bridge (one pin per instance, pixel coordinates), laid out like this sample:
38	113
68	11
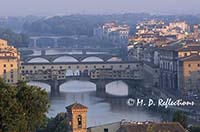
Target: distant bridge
54	38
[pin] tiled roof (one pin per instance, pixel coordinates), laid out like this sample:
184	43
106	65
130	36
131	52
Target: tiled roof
143	127
76	106
191	58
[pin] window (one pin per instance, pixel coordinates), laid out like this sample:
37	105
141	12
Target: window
69	67
60	67
95	67
105	129
43	67
86	66
34	67
198	65
189	65
4	71
4	65
11	65
79	121
52	67
103	66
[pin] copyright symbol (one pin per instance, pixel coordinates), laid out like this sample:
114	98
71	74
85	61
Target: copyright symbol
131	102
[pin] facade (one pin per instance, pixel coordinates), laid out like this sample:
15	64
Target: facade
59	71
77	118
111	127
168	57
117	74
113	31
9	63
189	74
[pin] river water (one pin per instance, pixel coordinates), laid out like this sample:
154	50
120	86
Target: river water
101	110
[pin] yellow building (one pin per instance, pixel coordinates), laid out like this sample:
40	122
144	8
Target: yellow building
77	117
189	74
9	63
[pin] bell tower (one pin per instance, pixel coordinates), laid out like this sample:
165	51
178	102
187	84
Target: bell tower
77	117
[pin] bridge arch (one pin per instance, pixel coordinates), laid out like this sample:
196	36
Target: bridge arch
65	59
117	88
75	86
42	85
38	60
114	59
92	59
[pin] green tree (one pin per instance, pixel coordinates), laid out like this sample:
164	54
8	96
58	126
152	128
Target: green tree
180	117
22	107
58	124
194	129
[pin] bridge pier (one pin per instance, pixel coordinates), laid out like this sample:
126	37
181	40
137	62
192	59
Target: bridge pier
55	43
100	88
55	84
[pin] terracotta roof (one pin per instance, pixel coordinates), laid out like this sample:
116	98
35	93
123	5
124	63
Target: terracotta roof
76	106
191	58
190	48
134	127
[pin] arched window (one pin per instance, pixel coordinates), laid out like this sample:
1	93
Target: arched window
79	119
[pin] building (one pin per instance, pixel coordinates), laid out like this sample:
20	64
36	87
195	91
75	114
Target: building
113	31
9	63
168	57
77	118
111	127
151	126
189	75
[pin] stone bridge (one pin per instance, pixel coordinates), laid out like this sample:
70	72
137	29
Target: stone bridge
133	85
74	57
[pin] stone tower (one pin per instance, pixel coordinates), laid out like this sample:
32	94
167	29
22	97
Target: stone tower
77	117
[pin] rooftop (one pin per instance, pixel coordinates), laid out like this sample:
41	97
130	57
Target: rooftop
191	58
143	127
76	106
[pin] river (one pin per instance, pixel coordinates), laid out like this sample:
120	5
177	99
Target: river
100	110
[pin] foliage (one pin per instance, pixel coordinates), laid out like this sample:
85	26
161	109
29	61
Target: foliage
194	129
58	124
17	40
180	117
22	108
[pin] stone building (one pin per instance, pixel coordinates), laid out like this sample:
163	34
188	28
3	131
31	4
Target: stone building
77	118
189	74
9	63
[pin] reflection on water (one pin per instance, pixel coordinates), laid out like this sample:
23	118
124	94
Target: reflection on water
101	110
118	88
41	85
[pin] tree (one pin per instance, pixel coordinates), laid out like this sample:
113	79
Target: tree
58	124
194	129
180	117
22	107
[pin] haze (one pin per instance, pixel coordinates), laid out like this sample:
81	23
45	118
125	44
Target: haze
63	7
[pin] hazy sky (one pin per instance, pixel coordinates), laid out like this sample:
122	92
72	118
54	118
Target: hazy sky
61	7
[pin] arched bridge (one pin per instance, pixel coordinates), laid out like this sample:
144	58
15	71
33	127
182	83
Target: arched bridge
72	58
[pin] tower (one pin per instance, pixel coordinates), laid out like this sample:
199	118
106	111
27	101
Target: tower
196	31
77	117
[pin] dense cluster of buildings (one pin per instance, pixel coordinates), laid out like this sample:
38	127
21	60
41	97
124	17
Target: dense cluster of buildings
113	31
156	32
176	57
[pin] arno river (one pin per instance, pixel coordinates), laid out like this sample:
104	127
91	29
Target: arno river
101	110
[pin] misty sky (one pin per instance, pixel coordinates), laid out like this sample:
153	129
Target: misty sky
62	7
